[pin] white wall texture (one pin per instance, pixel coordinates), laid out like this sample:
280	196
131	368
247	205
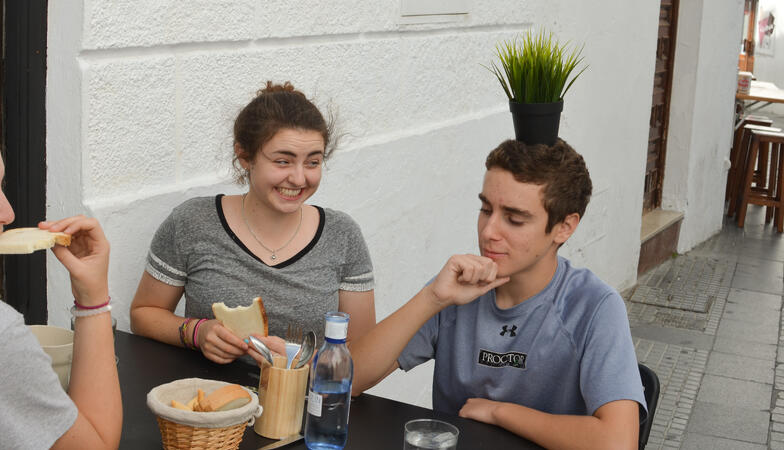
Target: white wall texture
141	96
701	115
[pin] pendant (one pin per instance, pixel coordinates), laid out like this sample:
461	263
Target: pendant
273	257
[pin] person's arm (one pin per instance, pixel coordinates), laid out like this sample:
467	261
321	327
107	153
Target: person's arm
94	386
614	425
461	280
152	315
361	308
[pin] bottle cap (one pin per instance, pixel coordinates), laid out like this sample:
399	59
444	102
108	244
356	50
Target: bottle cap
336	325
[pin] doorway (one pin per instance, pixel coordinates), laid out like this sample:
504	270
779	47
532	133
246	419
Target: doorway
23	125
660	105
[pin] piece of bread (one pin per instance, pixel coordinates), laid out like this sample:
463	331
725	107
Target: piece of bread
179	405
228	397
28	240
243	320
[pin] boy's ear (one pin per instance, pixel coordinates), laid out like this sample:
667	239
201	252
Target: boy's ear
241	156
564	230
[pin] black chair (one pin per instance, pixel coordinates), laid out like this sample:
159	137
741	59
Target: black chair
650	383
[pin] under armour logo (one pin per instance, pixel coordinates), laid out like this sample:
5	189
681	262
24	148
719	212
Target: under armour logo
511	332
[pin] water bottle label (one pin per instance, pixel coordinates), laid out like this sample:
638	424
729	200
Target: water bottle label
314	404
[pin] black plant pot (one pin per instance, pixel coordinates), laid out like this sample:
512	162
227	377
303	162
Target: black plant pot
536	123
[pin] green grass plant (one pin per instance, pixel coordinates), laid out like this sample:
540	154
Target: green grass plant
535	68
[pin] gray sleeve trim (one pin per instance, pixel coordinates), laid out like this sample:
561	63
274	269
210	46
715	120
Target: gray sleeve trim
167	267
358	283
160	276
363	287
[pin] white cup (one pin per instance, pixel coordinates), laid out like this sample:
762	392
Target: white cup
744	82
58	344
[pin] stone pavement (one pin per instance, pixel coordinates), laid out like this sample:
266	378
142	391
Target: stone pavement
709	323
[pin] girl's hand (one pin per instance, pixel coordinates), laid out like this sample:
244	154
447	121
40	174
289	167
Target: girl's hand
276	345
87	258
218	343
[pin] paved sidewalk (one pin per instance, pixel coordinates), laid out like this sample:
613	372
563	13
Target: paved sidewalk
709	323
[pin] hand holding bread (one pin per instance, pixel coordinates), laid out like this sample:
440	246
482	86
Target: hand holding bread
222	339
87	258
218	343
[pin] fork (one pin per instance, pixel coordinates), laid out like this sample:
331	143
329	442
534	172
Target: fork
293	343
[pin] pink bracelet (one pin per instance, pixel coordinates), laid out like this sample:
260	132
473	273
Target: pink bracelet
80	306
196	333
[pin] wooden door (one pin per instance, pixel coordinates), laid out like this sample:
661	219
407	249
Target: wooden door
746	57
660	105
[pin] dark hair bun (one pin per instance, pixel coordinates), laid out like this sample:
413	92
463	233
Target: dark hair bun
272	88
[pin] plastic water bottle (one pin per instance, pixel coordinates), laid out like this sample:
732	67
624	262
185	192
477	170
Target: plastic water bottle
329	398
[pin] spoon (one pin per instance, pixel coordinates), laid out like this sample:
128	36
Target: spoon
308	345
261	348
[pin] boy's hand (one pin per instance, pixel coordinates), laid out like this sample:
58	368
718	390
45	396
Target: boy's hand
464	278
87	258
480	409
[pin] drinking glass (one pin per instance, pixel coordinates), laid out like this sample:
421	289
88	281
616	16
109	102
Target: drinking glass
429	434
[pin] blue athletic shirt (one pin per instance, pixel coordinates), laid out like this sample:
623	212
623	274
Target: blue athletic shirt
566	350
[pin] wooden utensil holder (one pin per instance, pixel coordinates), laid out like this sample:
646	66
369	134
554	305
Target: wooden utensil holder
282	395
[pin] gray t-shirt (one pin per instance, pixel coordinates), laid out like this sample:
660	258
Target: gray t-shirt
34	409
566	350
195	248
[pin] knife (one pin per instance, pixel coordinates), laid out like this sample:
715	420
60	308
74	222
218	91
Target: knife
285	441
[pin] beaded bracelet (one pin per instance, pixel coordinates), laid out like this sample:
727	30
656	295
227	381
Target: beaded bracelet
196	334
76	312
78	305
183	328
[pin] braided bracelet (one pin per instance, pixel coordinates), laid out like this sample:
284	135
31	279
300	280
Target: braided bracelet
183	328
76	312
196	334
78	305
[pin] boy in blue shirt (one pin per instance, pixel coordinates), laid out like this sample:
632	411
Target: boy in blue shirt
521	339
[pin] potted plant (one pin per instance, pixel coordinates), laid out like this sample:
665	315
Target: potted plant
534	73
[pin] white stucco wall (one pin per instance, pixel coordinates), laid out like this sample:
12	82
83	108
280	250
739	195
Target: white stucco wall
701	115
141	96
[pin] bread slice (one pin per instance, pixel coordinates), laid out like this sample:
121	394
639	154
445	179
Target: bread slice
179	405
28	240
243	320
228	397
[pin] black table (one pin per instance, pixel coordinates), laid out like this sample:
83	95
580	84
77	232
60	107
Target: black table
375	422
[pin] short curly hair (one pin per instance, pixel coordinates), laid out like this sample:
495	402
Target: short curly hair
558	167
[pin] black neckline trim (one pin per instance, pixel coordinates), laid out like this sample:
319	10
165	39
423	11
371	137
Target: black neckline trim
288	262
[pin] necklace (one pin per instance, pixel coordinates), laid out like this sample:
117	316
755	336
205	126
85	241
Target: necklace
273	256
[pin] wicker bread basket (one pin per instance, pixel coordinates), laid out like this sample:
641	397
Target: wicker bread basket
199	430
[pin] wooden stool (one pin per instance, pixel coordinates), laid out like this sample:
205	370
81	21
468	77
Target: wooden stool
770	196
738	164
734	175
